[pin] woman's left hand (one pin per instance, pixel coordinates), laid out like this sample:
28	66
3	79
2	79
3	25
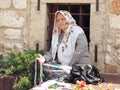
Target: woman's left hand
40	58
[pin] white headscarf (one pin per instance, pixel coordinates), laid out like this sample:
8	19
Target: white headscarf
67	46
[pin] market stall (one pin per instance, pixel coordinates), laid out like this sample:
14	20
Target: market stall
54	85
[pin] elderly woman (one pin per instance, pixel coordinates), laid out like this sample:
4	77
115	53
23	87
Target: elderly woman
69	44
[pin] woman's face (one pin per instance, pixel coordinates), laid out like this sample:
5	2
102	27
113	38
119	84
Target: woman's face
61	22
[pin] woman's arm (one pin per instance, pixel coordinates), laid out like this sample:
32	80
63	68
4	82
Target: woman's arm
81	54
48	55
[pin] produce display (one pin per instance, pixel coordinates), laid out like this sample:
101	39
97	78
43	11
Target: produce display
80	85
54	86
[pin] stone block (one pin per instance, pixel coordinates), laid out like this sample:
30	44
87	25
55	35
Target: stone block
20	4
114	21
12	34
111	69
4	4
12	19
1	47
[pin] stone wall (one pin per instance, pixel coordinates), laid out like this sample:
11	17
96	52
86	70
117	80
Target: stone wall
112	49
13	26
22	26
105	33
38	25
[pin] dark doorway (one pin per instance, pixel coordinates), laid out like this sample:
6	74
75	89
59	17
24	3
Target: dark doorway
80	12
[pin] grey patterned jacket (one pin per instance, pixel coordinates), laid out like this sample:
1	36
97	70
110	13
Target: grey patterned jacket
81	54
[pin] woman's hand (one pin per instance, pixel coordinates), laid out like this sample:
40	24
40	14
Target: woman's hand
40	58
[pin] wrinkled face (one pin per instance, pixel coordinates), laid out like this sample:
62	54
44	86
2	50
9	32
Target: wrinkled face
61	22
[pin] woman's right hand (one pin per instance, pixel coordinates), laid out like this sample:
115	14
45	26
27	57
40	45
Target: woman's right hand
40	58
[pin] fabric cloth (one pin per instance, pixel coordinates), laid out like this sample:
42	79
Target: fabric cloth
67	46
73	48
56	71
